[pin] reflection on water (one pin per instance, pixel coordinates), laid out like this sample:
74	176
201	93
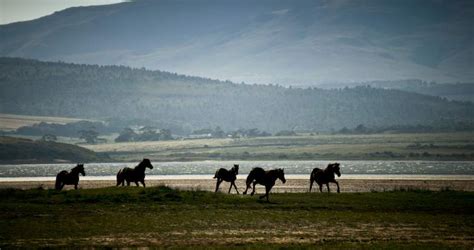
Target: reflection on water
209	167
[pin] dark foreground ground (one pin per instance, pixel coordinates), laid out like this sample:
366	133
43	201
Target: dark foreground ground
164	217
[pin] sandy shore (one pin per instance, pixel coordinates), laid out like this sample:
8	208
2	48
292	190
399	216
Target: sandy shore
292	185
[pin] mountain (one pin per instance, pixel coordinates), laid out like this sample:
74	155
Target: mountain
287	42
31	87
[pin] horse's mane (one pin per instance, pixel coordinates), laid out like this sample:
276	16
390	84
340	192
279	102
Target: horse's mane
277	170
142	162
332	165
235	168
78	167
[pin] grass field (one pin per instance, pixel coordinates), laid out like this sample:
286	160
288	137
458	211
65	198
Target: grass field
161	216
429	146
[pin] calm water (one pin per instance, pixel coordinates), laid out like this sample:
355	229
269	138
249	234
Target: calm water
205	169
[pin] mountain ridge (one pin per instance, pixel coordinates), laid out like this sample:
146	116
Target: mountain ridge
280	42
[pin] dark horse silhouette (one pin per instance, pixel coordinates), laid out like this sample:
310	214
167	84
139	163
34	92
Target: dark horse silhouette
136	174
227	175
72	178
266	178
325	176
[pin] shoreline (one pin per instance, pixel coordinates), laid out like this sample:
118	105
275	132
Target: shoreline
291	186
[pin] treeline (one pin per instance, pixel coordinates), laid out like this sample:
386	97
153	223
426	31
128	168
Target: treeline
67	130
443	127
91	131
219	133
184	104
453	91
144	134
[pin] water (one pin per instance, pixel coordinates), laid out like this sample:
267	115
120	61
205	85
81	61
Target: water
295	169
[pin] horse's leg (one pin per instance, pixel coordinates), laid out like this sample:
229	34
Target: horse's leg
136	183
320	187
337	183
233	183
267	190
217	184
253	190
327	185
143	183
62	186
128	183
247	186
75	186
230	188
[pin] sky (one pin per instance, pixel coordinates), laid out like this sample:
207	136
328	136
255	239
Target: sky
23	10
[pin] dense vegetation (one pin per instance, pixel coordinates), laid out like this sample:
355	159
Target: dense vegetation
452	91
160	216
184	103
19	150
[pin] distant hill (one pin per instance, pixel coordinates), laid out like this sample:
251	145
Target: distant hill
18	150
31	87
266	41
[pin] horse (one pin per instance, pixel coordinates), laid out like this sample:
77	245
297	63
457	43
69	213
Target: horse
227	175
325	176
266	178
72	178
136	174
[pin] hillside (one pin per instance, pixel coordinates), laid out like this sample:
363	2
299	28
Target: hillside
266	41
17	150
175	101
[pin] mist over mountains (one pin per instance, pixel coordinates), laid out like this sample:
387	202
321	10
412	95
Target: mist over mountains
185	103
285	42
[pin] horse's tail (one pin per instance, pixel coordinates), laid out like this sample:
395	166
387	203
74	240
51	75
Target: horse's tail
57	184
312	175
250	177
216	174
119	177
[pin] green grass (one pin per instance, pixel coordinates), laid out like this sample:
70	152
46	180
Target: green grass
161	216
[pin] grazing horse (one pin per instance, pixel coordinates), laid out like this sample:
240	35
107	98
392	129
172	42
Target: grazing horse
72	178
227	175
266	178
325	176
136	174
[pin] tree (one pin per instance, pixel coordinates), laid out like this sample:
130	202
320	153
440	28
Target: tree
285	133
218	132
360	129
165	134
149	133
90	136
126	135
49	137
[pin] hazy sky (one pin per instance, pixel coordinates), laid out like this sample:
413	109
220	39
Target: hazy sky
22	10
